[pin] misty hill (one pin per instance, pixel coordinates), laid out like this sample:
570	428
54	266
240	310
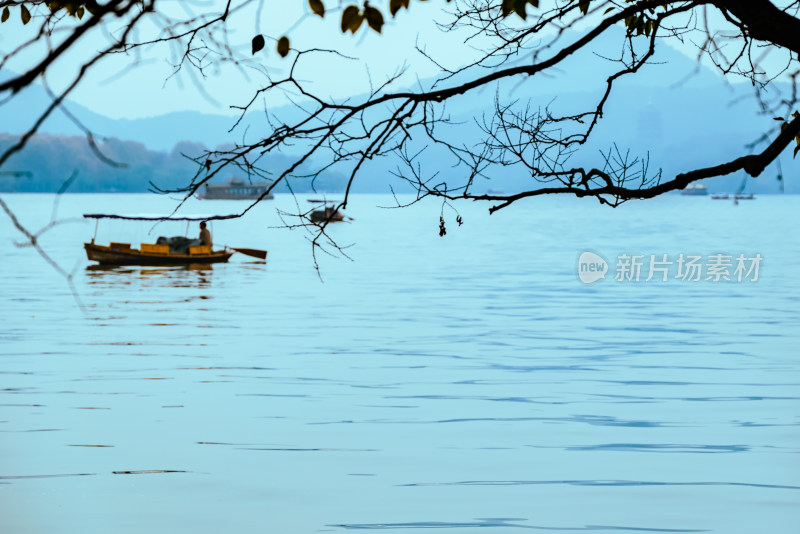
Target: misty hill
678	113
156	133
48	161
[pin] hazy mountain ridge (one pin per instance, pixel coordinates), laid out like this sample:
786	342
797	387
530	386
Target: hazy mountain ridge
679	114
579	75
49	160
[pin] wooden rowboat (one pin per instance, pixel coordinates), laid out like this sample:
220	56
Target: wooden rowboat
159	253
123	254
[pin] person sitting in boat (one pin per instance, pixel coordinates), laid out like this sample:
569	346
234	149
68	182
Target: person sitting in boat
205	235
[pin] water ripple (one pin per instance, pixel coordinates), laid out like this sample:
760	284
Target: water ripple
500	523
601	483
660	447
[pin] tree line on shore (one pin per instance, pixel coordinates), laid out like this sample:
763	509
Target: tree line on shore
112	166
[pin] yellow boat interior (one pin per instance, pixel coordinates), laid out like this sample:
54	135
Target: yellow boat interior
118	253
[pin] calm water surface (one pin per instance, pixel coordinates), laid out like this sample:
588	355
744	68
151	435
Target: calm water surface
469	383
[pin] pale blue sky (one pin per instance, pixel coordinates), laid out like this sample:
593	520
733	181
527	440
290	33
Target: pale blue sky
116	90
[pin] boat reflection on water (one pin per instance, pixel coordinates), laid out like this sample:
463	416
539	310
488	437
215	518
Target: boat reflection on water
192	275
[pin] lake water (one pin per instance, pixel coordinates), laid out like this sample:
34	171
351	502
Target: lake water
470	383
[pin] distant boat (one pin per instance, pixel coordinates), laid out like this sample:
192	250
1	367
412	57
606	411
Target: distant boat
740	194
327	214
236	189
722	196
695	190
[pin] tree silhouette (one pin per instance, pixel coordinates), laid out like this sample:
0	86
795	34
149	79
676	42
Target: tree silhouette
519	40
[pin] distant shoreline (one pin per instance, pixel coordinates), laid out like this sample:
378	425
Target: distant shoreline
387	193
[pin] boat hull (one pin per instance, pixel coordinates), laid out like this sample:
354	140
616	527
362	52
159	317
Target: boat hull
236	189
695	190
227	195
116	256
326	215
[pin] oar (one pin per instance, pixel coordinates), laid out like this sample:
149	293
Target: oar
254	252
